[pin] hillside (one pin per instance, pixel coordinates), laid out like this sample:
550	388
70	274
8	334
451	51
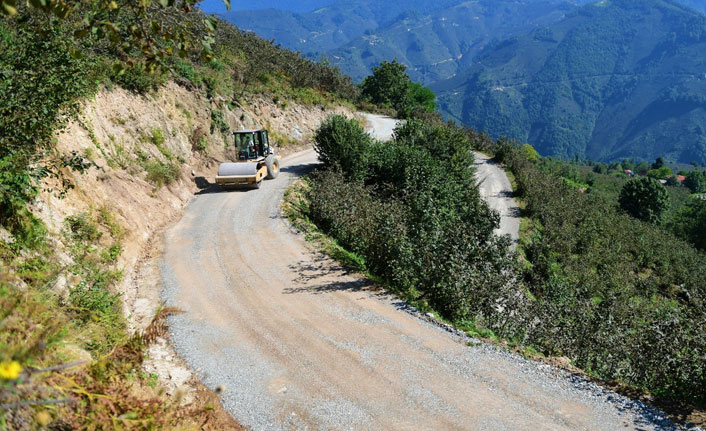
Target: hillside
436	46
327	28
616	79
95	161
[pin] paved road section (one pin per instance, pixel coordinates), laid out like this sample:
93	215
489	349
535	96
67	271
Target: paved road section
300	344
496	189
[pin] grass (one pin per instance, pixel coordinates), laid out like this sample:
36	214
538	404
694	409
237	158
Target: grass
283	141
41	329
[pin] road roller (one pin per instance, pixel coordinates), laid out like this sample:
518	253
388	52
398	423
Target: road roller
256	160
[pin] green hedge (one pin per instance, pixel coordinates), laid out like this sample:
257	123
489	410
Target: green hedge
622	298
411	208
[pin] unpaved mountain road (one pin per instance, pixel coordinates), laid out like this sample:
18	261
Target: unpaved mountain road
299	344
496	189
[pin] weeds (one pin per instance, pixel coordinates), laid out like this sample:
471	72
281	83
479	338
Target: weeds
218	121
161	173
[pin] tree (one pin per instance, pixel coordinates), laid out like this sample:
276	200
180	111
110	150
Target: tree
342	142
422	97
388	85
696	181
660	173
600	168
155	30
690	223
642	168
529	152
645	199
658	163
673	181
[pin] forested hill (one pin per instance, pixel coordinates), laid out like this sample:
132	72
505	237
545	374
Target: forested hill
329	27
619	78
438	45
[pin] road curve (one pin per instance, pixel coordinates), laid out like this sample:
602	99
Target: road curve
496	189
300	344
381	127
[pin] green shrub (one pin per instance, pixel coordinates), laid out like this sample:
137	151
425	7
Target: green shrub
218	121
81	228
689	224
696	181
645	199
157	136
33	108
161	173
621	298
94	299
411	210
137	79
343	142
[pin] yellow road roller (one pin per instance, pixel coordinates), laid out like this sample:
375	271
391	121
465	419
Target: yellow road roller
256	160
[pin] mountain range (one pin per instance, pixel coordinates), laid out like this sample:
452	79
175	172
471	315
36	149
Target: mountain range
604	80
619	78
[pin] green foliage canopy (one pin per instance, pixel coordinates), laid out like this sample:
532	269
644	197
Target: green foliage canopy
411	208
389	85
696	181
690	223
645	199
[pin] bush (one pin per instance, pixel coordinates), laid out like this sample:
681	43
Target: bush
621	298
689	224
696	181
343	142
645	199
81	228
161	173
218	121
411	209
137	79
34	107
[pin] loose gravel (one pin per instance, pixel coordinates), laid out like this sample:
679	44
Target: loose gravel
324	352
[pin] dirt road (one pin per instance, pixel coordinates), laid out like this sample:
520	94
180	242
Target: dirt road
299	344
495	187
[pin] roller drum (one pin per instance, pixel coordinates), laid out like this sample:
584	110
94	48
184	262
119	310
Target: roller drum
237	170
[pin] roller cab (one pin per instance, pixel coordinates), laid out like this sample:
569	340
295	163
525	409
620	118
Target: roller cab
256	160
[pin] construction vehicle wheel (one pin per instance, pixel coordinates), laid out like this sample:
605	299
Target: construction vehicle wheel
272	166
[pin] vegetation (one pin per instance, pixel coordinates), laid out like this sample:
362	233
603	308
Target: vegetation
605	289
433	235
593	85
46	329
58	290
696	181
690	223
645	198
621	298
390	86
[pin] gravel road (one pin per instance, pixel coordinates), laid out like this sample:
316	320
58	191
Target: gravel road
300	344
380	126
495	187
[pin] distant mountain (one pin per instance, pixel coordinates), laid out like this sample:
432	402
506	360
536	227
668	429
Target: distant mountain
619	78
437	45
329	27
699	5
